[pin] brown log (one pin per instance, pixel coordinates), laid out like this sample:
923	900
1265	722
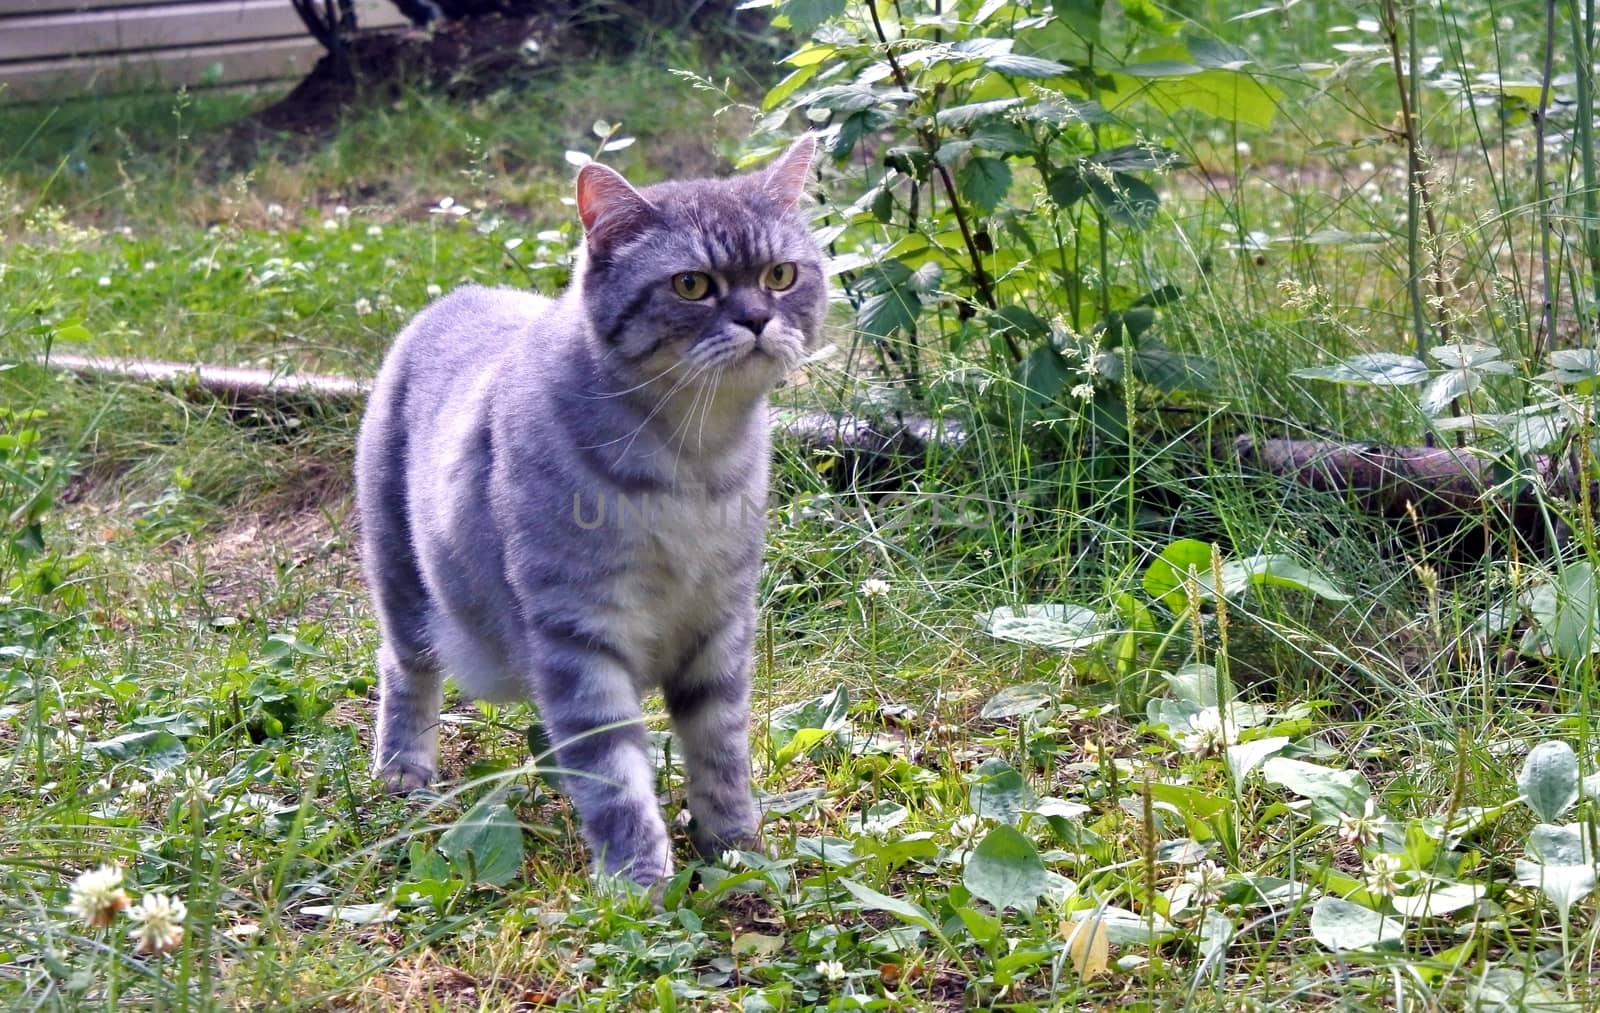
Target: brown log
1430	481
1426	483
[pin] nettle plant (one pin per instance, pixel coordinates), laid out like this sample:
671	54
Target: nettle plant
1007	182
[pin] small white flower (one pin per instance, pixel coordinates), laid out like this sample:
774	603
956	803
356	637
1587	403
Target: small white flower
374	230
342	211
97	895
1505	23
149	265
105	281
136	789
1363	830
363	307
1383	875
967	831
196	785
832	970
274	210
329	224
874	588
1243	148
356	247
159	927
1083	392
1206	879
1206	735
434	291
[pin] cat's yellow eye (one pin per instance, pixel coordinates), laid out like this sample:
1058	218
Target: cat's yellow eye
779	276
692	285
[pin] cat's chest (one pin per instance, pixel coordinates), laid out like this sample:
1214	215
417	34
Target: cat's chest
685	561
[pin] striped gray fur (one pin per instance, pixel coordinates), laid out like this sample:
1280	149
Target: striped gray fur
504	436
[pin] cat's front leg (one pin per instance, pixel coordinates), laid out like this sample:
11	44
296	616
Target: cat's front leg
406	754
709	700
591	710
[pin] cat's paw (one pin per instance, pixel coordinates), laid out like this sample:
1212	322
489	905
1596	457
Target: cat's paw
711	845
405	778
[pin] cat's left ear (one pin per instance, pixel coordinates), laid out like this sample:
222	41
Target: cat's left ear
785	180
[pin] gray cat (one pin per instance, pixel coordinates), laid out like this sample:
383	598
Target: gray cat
563	500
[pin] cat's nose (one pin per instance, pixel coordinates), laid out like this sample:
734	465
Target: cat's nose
754	319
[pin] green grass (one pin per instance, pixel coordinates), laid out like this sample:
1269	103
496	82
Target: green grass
956	820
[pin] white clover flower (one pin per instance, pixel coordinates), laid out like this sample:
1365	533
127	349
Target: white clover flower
363	307
159	926
341	211
136	789
97	895
374	230
1505	23
1206	735
329	224
967	831
874	588
434	291
274	210
1383	875
105	281
832	970
196	785
1206	880
1364	830
356	247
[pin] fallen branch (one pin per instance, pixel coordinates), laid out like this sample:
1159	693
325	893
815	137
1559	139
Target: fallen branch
1422	484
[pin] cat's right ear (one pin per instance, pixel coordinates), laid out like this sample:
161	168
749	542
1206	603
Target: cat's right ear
608	205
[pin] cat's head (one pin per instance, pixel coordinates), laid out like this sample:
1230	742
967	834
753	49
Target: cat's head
703	283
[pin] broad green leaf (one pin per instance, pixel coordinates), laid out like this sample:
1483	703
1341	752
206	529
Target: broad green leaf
1468	356
1173	78
1281	571
1573	366
1247	756
1067	186
806	15
1195	684
1370	369
834	851
153	750
1138	158
1005	870
1165	577
1015	701
486	842
1040	381
829	712
1559	865
998	792
1549	779
792	83
1443	899
1126	927
1332	792
881	315
984	182
872	900
1031	67
1054	627
1443	389
1339	925
1565	615
879	818
1126	200
966	115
